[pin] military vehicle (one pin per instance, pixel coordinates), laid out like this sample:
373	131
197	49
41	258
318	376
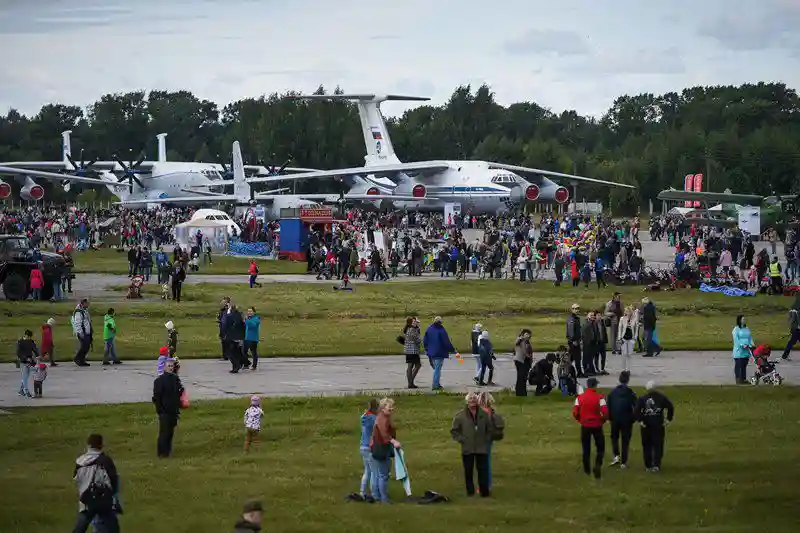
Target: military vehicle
17	259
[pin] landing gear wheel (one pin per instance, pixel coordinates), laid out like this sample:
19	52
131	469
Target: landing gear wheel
15	287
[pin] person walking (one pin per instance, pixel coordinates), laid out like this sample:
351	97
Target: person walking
47	345
252	327
590	341
178	277
234	338
167	391
523	359
574	338
650	413
613	314
622	414
82	327
252	271
626	333
109	338
27	353
591	412
97	482
742	344
473	430
649	320
486	351
382	444
475	336
411	343
438	348
794	332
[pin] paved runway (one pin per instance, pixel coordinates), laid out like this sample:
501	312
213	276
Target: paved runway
331	376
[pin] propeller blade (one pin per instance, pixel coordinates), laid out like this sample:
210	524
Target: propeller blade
92	162
139	161
72	162
120	163
285	164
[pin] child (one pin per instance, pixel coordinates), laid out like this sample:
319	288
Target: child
194	264
39	372
252	422
475	335
47	340
367	425
172	338
362	268
753	277
564	371
163	357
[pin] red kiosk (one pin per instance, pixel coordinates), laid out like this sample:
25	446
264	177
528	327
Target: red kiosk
295	230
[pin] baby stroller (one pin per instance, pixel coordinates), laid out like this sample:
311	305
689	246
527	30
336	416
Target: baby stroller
765	369
135	288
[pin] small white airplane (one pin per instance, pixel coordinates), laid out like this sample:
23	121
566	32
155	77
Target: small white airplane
479	186
136	182
243	194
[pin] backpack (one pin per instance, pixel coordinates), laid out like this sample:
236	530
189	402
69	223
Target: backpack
99	494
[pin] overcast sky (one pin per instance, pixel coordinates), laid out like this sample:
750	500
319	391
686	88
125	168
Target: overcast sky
567	54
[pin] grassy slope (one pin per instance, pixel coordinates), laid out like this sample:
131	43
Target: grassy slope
725	470
303	319
109	261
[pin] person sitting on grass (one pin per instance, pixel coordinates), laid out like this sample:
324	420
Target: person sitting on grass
250	522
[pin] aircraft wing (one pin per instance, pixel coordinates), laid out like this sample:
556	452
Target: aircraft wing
52	176
264	171
183	200
712	197
144	168
336	197
377	171
571	177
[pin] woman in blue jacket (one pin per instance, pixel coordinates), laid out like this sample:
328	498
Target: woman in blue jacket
252	325
742	342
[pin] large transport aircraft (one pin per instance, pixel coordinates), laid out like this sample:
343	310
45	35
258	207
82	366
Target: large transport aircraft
479	186
136	182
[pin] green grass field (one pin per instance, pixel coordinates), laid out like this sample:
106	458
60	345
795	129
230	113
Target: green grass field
108	261
313	320
727	469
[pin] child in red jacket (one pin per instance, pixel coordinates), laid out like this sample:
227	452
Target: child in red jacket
47	346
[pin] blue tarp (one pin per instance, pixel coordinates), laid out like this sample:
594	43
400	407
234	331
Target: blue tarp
727	291
237	247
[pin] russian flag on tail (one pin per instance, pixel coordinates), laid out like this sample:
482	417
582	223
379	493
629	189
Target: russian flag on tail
376	135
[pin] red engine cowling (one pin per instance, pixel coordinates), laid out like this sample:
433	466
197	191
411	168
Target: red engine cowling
5	190
562	195
373	191
532	193
419	191
32	191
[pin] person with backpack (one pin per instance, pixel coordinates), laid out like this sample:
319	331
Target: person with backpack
97	483
621	412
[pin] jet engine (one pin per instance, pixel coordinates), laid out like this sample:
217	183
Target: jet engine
31	191
5	190
547	191
417	190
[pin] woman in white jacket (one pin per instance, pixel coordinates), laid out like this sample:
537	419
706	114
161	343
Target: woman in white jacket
626	333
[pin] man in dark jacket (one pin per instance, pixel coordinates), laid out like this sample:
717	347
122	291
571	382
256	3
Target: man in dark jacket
251	518
650	414
649	319
234	331
474	430
167	391
542	375
438	347
621	412
794	331
574	338
589	339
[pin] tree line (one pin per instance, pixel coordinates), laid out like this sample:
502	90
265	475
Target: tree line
745	138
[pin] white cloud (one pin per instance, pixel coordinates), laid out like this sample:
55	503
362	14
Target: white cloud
578	54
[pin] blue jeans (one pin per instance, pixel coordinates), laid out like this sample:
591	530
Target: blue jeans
380	479
366	477
25	372
563	384
57	296
437	372
37	294
110	351
252	280
146	271
648	342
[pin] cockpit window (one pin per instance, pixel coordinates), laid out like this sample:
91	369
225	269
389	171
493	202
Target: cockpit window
504	178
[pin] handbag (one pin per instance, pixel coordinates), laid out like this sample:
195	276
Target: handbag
184	401
401	340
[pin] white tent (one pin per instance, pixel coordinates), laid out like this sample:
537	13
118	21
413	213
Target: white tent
216	231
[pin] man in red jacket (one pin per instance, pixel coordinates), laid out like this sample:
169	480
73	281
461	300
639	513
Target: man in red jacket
591	411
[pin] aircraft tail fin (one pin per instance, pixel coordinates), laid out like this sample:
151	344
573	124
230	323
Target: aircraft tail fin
162	147
380	150
241	189
66	148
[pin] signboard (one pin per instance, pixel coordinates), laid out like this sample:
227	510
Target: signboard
450	212
698	186
316	214
750	219
688	185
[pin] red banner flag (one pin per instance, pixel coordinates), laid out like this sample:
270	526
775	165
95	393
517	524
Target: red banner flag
688	185
698	186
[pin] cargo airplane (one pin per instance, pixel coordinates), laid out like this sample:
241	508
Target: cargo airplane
479	186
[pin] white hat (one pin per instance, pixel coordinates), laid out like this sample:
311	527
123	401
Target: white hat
51	321
484	334
169	325
438	319
650	385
